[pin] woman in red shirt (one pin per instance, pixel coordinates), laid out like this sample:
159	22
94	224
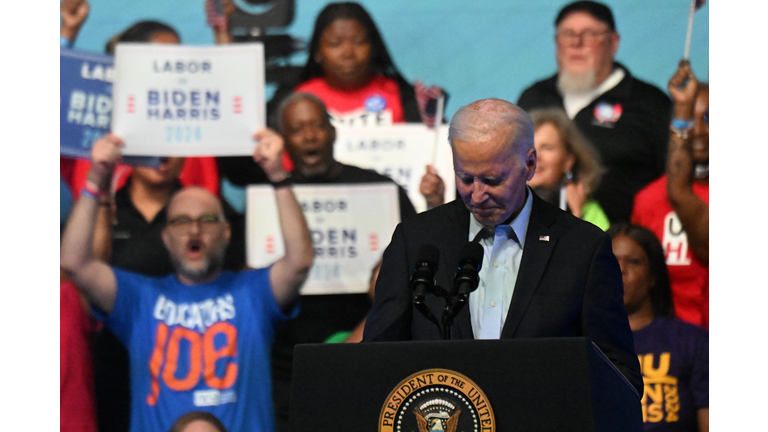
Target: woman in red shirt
349	68
351	71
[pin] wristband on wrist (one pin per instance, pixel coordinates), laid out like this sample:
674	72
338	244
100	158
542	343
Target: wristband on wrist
680	127
683	123
100	184
91	190
287	181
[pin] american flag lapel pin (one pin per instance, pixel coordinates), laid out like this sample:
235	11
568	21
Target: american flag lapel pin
543	238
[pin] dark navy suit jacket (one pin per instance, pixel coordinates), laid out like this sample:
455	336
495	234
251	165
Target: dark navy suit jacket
569	284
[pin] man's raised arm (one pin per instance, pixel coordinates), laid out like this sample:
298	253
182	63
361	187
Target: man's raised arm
91	275
289	272
692	210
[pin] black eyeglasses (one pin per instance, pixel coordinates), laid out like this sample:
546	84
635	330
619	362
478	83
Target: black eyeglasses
706	117
184	223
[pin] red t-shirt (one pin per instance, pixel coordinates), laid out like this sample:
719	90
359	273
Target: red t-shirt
197	171
378	103
688	277
78	409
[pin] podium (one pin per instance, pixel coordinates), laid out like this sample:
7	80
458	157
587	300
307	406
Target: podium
548	384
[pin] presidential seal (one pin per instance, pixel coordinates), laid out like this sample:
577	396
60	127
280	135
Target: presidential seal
437	400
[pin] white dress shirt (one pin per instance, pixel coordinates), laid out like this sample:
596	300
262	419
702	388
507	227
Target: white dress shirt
489	304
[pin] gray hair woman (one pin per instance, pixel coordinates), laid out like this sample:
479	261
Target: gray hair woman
568	168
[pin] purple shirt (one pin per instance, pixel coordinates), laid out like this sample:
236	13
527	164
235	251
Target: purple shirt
674	359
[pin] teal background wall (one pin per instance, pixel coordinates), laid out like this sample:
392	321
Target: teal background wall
477	49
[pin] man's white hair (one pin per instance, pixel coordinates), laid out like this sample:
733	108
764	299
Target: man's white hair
482	118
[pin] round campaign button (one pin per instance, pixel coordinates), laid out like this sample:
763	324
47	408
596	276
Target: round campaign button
607	113
375	103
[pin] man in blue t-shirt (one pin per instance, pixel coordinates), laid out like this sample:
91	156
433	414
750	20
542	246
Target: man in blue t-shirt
199	339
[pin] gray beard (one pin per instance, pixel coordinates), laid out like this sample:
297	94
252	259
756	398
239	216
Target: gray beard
569	82
214	265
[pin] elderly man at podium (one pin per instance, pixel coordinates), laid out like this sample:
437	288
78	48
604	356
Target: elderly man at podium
543	272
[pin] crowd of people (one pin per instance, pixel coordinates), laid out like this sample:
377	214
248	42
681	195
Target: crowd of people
163	326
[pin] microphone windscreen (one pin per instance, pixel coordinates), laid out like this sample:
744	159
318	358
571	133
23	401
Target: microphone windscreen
429	253
474	252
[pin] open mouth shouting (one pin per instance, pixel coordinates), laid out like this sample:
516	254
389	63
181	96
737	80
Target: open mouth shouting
312	157
194	248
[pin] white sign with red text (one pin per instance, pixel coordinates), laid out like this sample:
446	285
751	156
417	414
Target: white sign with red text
401	152
350	227
173	100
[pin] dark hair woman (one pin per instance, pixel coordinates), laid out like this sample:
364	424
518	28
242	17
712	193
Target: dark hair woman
144	31
674	355
349	68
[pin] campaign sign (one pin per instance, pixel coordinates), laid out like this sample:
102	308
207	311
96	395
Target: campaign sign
173	100
401	152
86	104
86	100
350	226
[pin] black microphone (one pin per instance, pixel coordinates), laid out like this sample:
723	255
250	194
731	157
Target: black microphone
467	276
423	277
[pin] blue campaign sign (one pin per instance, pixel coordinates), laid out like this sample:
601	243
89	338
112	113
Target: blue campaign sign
86	103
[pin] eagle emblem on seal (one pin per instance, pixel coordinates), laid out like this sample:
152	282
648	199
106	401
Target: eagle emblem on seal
437	415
